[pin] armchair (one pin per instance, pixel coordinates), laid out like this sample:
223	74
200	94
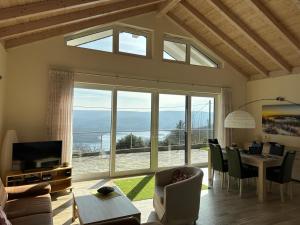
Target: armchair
178	203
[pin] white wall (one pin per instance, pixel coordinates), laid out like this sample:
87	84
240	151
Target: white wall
286	86
3	63
28	65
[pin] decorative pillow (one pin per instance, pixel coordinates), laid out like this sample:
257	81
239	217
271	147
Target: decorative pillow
179	175
3	218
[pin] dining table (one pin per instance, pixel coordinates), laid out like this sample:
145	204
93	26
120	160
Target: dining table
262	162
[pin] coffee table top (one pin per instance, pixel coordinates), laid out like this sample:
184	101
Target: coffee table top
92	209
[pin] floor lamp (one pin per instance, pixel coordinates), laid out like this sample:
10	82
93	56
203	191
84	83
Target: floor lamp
242	119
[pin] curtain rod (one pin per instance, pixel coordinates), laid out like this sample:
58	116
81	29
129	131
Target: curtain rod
124	76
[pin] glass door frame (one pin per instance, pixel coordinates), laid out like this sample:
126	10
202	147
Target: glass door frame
154	126
113	172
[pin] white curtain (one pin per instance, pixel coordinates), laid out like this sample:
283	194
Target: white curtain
60	107
225	134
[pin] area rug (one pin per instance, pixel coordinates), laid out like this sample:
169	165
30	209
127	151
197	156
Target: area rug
139	188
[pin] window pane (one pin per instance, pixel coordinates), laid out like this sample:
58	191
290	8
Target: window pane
174	51
199	59
132	43
102	41
171	134
202	128
133	131
91	131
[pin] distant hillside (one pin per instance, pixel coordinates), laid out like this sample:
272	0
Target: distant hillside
92	120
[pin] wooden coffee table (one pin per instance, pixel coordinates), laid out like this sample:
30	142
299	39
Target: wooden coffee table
91	209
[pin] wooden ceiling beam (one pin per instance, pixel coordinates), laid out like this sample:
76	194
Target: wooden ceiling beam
205	43
258	41
30	26
226	39
40	7
273	21
166	7
66	29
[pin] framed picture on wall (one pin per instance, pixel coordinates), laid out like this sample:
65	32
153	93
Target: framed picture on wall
281	120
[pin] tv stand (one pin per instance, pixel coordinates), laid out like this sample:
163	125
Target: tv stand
59	178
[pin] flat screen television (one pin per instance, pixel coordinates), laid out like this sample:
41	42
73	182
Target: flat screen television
33	155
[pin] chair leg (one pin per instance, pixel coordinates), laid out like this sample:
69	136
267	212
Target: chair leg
282	192
212	179
270	186
228	183
241	187
290	190
222	180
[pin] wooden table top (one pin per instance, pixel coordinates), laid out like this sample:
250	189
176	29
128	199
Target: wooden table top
92	209
252	159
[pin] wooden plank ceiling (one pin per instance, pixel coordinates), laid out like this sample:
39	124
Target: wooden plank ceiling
254	36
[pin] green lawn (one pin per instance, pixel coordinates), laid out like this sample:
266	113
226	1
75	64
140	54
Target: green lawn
139	188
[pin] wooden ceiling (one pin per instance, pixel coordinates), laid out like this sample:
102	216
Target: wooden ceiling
254	36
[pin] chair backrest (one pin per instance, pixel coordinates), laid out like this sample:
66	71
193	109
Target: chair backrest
213	141
217	157
276	149
287	167
234	162
182	199
256	147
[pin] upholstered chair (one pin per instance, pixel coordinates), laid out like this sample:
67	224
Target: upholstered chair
178	203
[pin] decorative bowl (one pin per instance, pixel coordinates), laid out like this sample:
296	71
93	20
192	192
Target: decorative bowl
105	190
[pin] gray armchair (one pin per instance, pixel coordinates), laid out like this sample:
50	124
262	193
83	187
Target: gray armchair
178	203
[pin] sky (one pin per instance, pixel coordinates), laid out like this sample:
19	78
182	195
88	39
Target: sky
92	99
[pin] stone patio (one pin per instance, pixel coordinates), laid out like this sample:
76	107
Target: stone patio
134	161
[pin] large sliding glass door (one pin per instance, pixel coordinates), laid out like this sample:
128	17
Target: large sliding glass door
91	132
133	133
172	130
202	128
124	131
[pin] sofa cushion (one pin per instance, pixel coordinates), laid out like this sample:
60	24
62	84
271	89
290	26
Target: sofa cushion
3	218
28	206
38	219
3	195
28	190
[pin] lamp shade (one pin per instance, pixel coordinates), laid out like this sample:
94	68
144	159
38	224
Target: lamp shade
239	119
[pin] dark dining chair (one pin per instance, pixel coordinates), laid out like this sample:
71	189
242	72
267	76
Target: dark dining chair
282	174
218	162
213	141
237	169
276	149
256	148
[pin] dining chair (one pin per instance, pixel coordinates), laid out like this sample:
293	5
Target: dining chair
213	141
218	162
256	148
237	169
283	174
276	149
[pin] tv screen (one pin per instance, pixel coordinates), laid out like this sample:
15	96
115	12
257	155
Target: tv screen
32	155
